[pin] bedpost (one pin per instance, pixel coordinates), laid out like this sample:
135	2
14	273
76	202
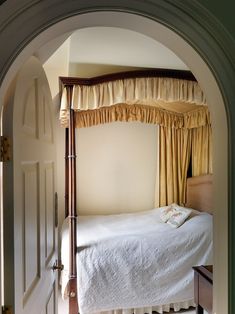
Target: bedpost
73	301
66	196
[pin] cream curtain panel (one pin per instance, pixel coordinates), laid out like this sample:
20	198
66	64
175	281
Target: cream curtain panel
177	106
201	150
177	146
175	152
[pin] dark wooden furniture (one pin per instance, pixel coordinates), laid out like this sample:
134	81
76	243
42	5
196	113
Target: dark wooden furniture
178	74
203	286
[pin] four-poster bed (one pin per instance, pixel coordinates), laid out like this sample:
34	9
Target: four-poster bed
155	96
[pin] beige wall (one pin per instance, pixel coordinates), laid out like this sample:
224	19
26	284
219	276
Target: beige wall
116	162
116	167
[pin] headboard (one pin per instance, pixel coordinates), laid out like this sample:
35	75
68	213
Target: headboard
199	193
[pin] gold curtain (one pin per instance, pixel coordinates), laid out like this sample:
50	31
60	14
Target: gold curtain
202	150
175	151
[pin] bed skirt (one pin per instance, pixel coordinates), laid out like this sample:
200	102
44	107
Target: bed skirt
149	310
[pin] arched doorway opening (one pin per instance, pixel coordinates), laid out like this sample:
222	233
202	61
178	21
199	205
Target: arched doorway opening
207	81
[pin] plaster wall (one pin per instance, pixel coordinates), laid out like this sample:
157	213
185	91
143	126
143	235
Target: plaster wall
116	166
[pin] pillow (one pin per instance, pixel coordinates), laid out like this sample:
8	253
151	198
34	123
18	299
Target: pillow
167	211
179	216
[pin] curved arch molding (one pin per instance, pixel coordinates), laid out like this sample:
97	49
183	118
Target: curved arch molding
22	21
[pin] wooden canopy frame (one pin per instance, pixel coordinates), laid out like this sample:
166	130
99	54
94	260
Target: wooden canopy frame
70	159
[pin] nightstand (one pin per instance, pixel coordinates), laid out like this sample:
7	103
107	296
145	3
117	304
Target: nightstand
203	288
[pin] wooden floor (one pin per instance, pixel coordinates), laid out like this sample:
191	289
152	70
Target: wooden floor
63	308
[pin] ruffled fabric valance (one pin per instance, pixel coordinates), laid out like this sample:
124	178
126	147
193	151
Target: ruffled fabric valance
145	114
137	99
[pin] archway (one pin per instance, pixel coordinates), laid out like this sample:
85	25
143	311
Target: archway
175	18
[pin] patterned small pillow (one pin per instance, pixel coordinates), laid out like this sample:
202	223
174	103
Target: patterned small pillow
179	216
167	211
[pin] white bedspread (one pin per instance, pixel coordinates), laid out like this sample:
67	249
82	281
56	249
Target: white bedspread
136	260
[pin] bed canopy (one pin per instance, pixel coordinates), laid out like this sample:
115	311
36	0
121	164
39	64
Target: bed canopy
177	105
167	101
171	99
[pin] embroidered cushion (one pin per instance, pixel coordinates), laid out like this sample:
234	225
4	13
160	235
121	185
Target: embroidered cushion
174	214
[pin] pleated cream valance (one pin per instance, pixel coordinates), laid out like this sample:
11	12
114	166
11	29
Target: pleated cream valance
142	113
151	99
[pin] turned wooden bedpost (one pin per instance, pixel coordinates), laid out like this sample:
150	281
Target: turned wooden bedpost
66	195
72	209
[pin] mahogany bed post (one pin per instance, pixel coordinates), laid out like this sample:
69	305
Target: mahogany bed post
72	212
66	196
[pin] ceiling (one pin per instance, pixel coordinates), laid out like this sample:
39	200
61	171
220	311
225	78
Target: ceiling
96	51
122	47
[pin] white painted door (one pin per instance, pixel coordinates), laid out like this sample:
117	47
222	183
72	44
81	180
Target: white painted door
30	238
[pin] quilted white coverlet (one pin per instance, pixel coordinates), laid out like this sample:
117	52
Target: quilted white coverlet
136	260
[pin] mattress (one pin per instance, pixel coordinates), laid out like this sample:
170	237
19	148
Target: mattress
135	260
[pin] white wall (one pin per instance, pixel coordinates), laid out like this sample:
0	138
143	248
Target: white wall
116	167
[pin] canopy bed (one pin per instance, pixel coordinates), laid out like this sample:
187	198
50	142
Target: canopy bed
174	101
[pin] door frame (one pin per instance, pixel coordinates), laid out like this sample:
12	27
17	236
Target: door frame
202	43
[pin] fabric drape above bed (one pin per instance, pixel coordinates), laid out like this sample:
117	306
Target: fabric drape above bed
178	106
164	101
155	114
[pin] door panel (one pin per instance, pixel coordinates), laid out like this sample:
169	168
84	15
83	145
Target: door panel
47	129
49	210
30	228
32	177
29	104
50	307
